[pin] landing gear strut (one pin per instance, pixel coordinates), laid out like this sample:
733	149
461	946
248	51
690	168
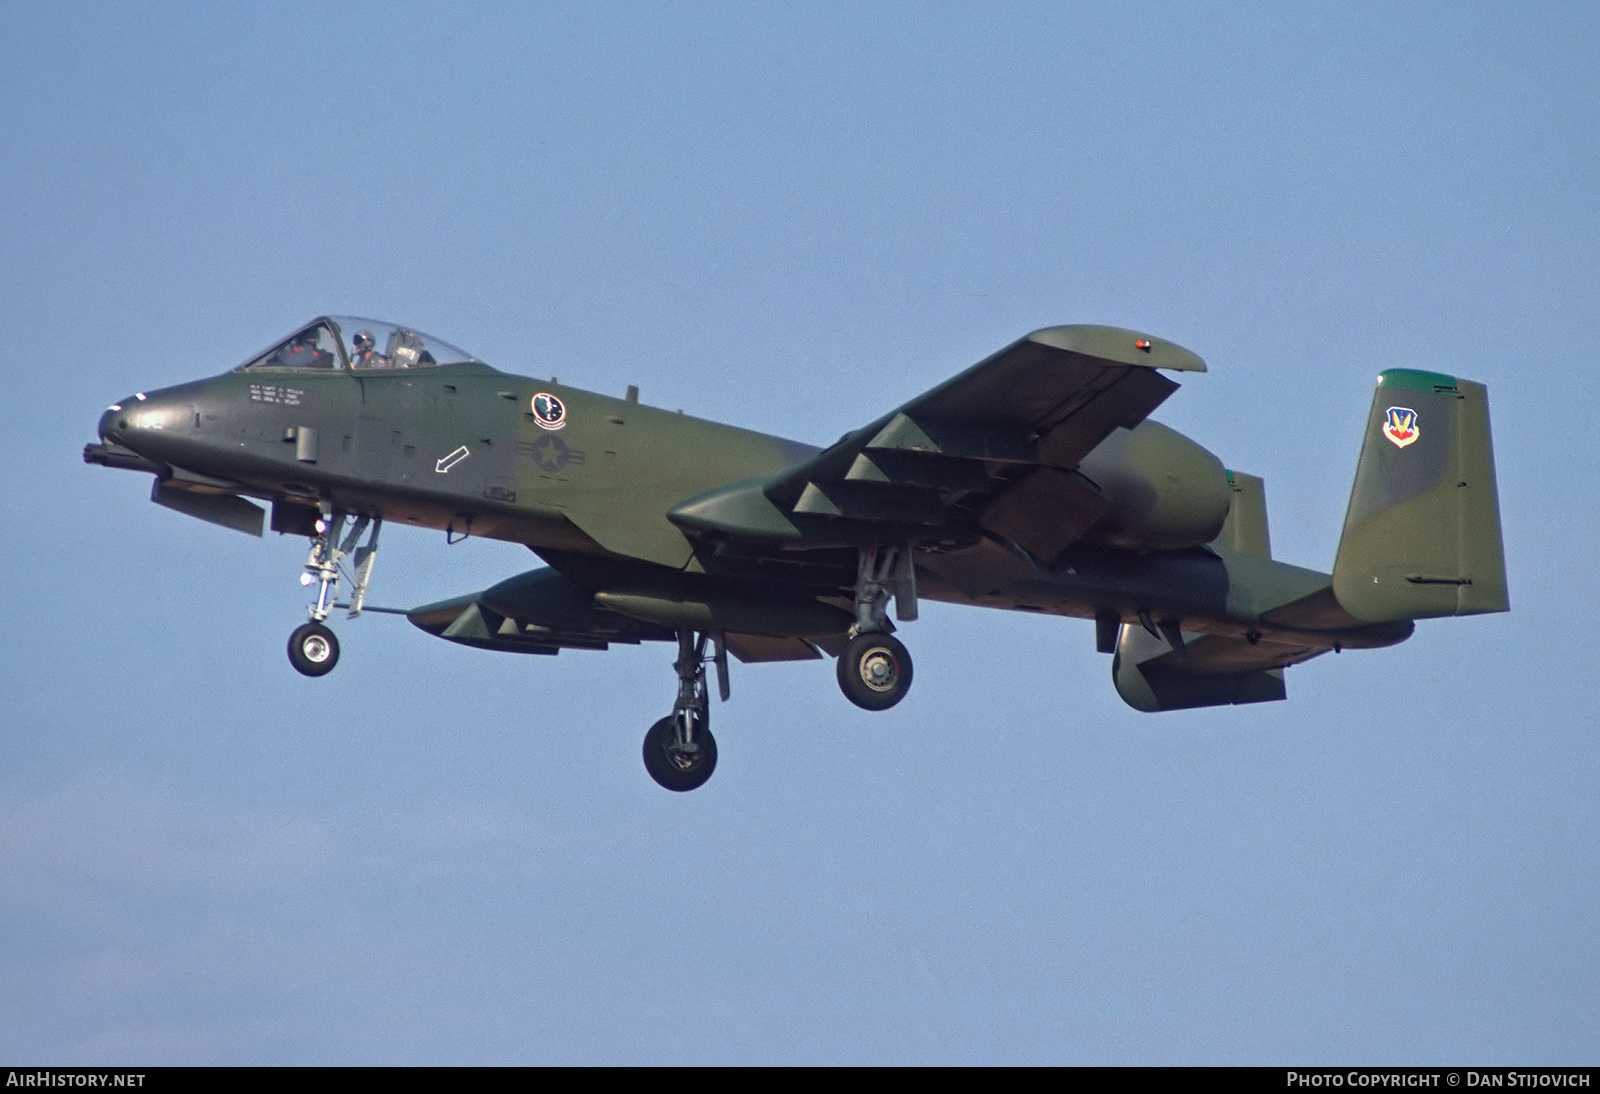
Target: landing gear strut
679	751
313	649
875	668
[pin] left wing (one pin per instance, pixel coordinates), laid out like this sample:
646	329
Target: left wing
994	449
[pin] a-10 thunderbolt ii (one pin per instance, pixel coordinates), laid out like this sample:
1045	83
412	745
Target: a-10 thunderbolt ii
1034	481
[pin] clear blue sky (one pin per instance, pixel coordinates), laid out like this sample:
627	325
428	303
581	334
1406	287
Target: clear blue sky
792	217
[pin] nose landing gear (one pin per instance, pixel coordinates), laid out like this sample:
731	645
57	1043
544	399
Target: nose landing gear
313	649
679	759
679	751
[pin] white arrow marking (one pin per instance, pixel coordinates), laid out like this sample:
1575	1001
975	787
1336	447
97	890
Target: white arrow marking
443	466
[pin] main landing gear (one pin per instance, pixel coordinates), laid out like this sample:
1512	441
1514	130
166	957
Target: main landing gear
875	668
874	671
679	751
313	649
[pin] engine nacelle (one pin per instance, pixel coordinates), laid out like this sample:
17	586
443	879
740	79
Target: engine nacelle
1165	490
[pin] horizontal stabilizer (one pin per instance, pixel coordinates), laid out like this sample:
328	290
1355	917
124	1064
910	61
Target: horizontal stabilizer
1151	675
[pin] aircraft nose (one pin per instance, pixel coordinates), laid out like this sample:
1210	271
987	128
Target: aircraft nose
144	420
108	422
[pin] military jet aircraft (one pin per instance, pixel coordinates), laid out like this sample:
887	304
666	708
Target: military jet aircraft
1035	481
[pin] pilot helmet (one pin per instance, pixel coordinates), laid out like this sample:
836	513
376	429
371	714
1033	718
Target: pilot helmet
364	340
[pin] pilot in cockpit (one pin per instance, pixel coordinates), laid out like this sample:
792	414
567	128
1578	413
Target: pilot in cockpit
304	351
366	356
408	350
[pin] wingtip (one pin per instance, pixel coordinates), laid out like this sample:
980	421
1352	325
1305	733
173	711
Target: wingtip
1119	345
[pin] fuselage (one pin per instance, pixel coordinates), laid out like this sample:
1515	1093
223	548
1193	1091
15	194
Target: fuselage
453	447
439	440
1035	480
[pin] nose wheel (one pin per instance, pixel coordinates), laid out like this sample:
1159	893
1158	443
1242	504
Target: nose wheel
679	751
681	757
313	650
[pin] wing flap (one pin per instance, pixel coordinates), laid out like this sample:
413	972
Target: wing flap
1045	512
755	648
1124	402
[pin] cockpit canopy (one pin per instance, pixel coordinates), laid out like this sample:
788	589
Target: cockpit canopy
345	342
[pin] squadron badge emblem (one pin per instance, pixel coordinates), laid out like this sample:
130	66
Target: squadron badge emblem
1400	426
548	411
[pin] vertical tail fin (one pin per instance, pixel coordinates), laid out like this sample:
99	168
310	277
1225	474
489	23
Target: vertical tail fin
1245	529
1422	535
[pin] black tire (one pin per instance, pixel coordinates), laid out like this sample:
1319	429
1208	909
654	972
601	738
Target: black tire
874	671
313	650
676	770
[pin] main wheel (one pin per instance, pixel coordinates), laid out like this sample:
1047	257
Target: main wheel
874	671
313	650
670	764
